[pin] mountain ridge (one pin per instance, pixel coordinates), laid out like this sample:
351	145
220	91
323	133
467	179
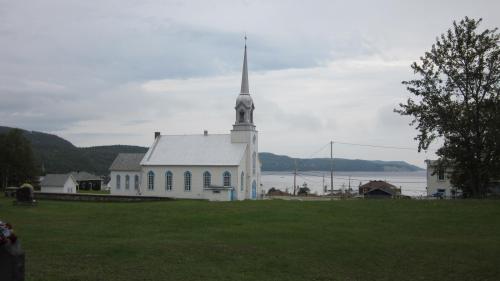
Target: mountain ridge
57	155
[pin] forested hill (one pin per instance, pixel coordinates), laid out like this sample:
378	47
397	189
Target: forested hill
273	162
57	155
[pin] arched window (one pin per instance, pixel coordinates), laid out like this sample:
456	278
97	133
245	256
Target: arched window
242	180
187	181
251	116
118	182
227	179
254	138
242	116
151	180
207	179
254	162
168	180
127	182
136	182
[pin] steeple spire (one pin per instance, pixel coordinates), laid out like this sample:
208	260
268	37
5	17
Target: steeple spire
244	76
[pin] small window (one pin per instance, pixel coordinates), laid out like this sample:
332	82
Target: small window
136	182
242	116
242	180
187	181
254	139
118	182
207	180
254	163
168	181
441	174
151	180
227	179
127	182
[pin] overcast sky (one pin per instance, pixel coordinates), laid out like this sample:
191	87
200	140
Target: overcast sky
113	71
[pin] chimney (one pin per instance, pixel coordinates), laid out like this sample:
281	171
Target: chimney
157	134
205	133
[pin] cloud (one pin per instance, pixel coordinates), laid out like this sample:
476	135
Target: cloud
118	71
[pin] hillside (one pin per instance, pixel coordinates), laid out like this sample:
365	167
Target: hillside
57	155
272	162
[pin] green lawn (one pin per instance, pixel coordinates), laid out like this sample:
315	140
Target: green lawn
259	240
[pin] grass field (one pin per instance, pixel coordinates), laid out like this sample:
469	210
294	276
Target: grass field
259	240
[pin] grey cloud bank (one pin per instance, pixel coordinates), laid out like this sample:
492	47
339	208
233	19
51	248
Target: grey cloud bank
115	71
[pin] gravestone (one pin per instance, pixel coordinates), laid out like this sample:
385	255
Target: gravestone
24	195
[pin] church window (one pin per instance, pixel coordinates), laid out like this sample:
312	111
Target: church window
118	182
187	181
127	182
254	139
168	181
136	182
242	180
242	116
227	179
151	180
207	179
254	162
251	116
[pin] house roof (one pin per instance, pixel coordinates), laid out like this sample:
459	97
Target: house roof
84	176
194	150
378	184
127	162
387	190
55	179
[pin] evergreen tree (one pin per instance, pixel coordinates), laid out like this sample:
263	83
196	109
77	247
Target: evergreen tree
457	100
17	162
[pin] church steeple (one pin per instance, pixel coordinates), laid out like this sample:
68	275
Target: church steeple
244	103
244	76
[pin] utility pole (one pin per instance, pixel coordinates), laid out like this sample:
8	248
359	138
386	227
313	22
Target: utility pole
331	168
323	186
295	177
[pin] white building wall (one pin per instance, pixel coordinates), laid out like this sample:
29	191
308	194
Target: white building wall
251	137
434	183
52	189
69	186
197	191
123	190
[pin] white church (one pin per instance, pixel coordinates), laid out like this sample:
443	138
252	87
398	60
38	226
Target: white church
217	167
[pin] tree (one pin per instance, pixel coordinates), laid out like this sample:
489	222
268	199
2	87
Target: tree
457	101
17	162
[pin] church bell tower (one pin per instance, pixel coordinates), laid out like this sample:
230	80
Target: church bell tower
244	103
244	132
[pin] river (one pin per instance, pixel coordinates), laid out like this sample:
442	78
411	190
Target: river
411	183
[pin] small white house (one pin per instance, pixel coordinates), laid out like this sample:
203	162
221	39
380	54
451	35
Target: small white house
58	183
438	180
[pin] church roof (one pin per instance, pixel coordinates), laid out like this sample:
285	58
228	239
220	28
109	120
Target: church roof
127	162
194	150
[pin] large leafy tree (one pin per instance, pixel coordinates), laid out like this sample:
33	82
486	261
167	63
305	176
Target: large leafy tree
457	100
17	162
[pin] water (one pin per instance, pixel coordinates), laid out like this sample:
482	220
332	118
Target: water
411	183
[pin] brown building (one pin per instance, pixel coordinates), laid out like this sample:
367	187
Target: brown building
379	189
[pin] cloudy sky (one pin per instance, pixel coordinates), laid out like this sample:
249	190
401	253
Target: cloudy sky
114	71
